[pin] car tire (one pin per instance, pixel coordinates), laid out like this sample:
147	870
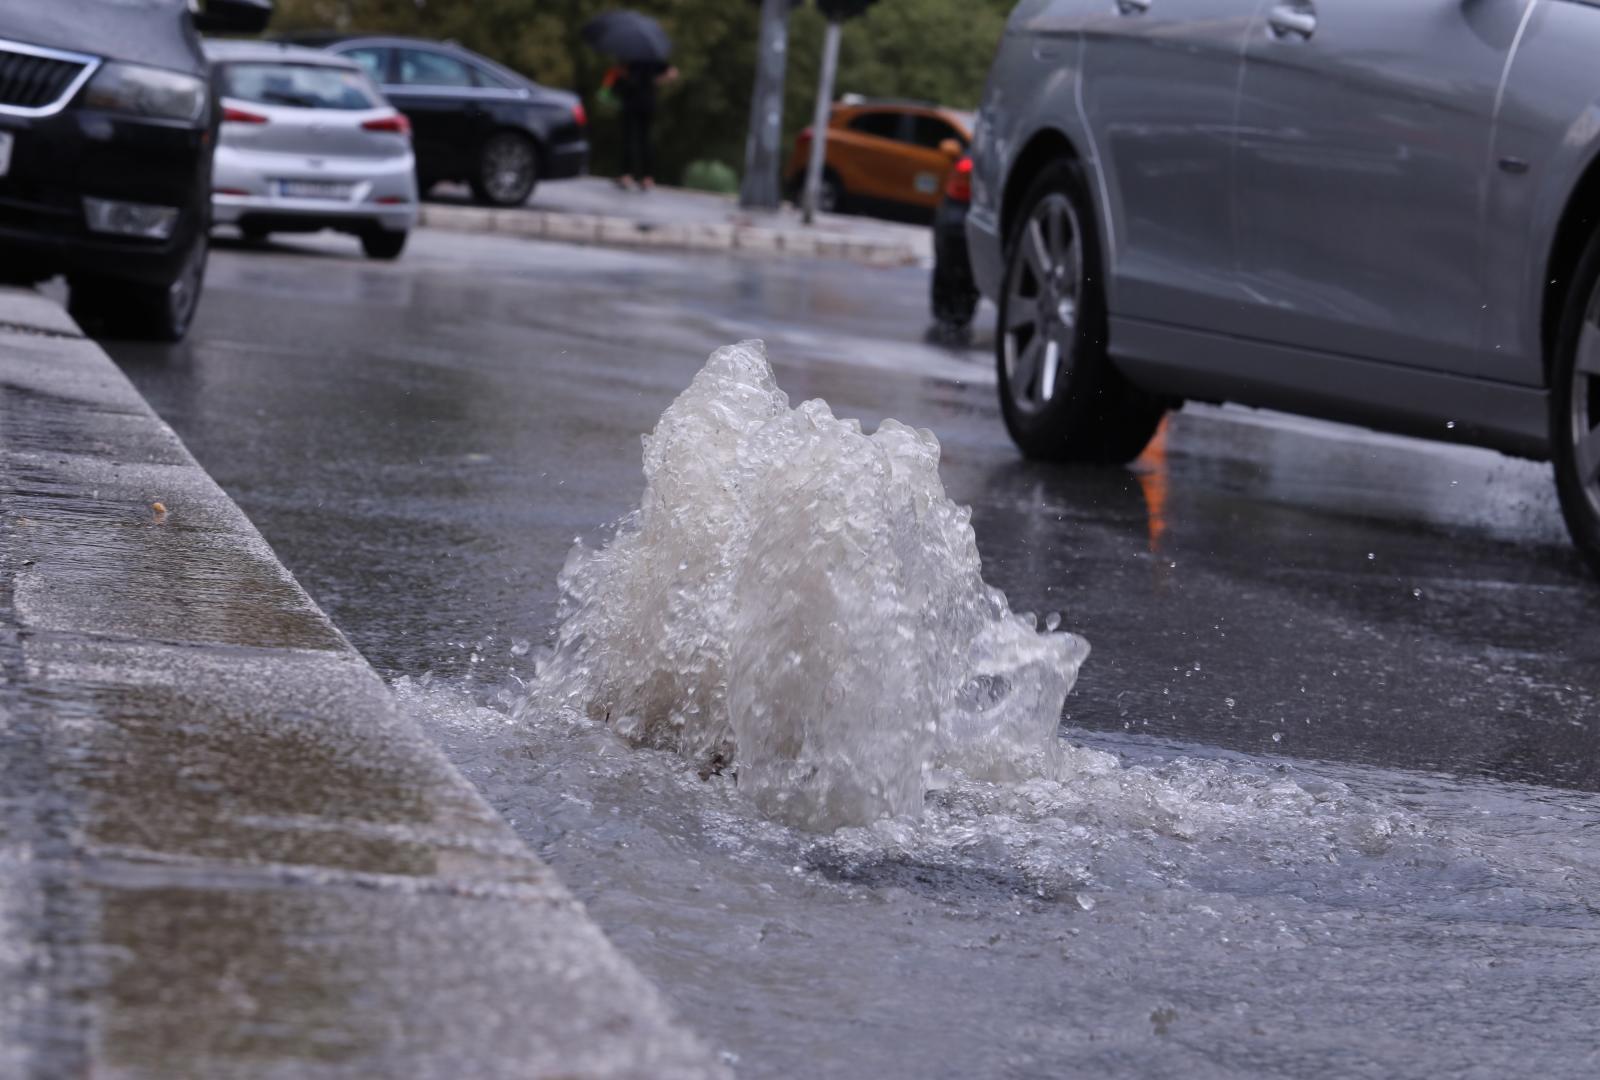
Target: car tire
830	192
831	198
507	170
383	244
953	298
1061	398
153	312
1575	407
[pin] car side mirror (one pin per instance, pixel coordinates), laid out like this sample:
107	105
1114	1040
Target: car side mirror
952	149
233	16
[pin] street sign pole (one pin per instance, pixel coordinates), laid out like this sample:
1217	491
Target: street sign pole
760	188
819	120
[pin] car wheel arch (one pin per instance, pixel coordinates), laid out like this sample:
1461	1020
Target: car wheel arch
1580	217
1042	149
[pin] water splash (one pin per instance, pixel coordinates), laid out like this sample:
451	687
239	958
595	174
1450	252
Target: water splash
801	601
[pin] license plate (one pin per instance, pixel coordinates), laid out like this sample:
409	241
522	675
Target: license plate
6	139
313	189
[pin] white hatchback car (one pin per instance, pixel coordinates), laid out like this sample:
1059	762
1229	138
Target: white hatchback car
307	142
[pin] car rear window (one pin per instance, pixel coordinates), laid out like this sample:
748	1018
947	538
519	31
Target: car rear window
303	85
885	125
930	131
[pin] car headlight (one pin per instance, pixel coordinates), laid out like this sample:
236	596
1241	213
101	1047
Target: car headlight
146	91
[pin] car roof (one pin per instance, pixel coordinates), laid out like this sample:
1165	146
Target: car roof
857	103
327	39
220	50
324	39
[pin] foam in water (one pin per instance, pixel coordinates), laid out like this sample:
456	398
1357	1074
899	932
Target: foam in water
801	601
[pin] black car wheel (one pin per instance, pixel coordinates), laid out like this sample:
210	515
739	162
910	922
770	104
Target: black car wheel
1575	408
155	312
383	244
1061	398
830	194
508	169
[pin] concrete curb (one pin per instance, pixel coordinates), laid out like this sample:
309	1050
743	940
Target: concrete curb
224	850
688	236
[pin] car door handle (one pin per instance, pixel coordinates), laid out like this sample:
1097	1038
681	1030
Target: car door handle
1132	7
1292	21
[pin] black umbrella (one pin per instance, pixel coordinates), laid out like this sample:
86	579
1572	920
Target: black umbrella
629	36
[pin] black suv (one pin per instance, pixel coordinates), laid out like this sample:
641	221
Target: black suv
472	119
106	131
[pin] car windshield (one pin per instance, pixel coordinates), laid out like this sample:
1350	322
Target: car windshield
305	86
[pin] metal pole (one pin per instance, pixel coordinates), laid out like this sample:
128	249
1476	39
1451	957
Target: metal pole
819	120
761	189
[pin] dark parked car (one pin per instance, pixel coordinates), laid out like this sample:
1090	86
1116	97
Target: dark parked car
954	293
106	129
472	119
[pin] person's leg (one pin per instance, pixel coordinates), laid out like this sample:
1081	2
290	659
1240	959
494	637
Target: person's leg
630	145
647	173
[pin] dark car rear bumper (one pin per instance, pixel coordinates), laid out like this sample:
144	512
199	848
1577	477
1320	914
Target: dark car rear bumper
57	161
565	160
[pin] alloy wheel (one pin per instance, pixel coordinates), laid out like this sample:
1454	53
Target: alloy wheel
1584	412
508	169
1042	301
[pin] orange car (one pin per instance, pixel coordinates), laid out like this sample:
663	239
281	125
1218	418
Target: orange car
885	155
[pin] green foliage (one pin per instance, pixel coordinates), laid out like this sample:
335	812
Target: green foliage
937	50
711	176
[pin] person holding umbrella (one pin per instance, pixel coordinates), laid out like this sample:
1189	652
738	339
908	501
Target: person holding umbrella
641	49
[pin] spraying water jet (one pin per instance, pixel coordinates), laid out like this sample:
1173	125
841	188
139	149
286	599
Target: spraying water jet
802	600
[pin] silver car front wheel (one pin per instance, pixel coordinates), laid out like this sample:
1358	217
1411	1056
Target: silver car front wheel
1061	397
1040	332
1575	408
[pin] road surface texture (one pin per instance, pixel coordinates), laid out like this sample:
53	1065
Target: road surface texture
1278	609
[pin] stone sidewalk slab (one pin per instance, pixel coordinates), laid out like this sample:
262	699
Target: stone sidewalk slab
224	849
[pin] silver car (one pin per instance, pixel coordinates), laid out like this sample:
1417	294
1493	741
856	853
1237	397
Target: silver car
308	143
1385	212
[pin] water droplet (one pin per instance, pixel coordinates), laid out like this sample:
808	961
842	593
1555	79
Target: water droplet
1086	902
1417	593
1052	621
1449	423
1371	555
1277	736
1228	701
520	647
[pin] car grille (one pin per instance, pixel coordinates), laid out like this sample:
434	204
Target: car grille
37	81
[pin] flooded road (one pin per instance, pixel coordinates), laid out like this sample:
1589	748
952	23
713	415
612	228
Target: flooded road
1337	815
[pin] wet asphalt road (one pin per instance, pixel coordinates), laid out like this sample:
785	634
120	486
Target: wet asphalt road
421	442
